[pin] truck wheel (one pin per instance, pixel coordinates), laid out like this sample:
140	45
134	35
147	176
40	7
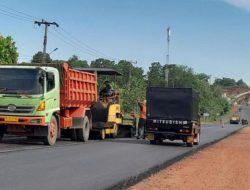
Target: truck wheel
50	139
197	139
115	131
102	134
83	133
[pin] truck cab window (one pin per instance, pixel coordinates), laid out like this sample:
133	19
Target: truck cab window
50	79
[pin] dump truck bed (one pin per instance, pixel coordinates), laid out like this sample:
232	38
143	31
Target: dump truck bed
78	88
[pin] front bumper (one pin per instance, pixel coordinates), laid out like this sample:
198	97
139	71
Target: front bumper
22	120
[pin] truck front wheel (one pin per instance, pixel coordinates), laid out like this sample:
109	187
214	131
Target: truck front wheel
50	139
83	133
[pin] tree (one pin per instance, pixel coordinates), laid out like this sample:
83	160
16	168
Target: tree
74	61
8	51
203	76
156	74
128	71
38	58
132	85
58	61
228	82
241	83
225	82
102	63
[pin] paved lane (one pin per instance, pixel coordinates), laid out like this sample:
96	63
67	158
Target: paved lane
94	165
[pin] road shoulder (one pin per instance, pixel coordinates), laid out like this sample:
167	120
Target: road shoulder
225	165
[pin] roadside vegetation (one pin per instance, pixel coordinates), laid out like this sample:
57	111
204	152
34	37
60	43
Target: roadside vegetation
8	50
134	81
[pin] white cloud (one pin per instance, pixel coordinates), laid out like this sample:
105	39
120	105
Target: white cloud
244	4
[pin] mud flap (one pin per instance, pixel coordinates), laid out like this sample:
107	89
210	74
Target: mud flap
41	131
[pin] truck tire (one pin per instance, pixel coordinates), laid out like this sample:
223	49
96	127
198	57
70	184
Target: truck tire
83	133
197	139
50	139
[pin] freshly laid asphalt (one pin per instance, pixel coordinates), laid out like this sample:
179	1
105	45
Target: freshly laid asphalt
90	166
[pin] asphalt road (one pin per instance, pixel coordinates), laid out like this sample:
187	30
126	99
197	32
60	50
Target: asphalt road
93	165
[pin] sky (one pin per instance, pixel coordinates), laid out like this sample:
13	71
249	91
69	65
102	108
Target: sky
211	36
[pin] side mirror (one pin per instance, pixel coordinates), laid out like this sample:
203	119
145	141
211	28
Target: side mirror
41	79
50	76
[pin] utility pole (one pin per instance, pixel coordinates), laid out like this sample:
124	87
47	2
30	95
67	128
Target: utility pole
46	24
167	57
168	42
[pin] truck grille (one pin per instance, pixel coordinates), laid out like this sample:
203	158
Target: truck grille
17	109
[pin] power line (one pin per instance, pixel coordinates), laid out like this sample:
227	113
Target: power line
70	43
14	16
81	44
22	17
77	44
72	40
19	12
86	45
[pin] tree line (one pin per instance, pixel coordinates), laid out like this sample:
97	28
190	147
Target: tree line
134	80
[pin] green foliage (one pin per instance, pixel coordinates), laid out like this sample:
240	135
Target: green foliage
38	58
241	83
132	85
102	63
8	51
74	61
156	75
228	82
57	61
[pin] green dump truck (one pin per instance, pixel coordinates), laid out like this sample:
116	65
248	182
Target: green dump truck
46	101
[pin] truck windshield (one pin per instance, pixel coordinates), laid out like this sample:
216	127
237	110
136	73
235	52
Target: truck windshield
20	81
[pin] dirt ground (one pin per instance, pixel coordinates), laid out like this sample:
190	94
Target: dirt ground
225	165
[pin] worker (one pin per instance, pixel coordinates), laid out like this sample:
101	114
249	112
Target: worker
221	123
107	90
142	119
